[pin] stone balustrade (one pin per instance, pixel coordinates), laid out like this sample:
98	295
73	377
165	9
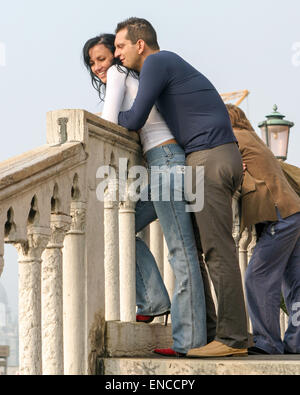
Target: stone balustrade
50	212
35	198
76	250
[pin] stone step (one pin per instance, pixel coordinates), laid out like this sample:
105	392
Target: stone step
136	339
251	365
129	346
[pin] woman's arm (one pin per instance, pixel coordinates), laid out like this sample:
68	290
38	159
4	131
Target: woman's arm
114	94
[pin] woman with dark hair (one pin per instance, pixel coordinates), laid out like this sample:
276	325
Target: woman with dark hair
118	86
107	49
268	200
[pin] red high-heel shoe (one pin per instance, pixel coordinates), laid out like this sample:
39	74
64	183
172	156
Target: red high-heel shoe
149	318
168	352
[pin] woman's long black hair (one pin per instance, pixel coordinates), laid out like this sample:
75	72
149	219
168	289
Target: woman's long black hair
108	41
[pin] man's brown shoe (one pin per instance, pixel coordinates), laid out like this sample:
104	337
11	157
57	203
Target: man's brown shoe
216	349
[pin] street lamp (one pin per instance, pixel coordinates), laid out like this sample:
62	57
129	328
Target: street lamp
275	133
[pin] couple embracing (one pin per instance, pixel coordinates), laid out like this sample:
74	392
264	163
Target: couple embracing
181	120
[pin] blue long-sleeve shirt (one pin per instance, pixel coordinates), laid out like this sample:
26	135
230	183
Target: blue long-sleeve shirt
189	103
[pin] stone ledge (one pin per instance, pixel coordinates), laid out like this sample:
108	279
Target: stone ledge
136	339
251	365
4	351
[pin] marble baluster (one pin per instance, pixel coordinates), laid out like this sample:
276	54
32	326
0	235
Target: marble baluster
52	297
74	292
30	342
127	261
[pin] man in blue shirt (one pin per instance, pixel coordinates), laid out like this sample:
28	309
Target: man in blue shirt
199	121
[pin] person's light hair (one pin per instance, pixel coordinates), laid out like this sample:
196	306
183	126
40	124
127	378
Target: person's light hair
238	118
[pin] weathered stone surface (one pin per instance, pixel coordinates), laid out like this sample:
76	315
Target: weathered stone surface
4	351
136	339
97	342
32	162
284	365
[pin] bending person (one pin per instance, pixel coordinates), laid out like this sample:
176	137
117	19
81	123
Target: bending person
268	200
161	150
197	117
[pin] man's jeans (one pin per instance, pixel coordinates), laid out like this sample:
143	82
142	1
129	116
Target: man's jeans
188	304
275	265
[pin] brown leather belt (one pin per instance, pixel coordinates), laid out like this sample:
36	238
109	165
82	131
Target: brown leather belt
172	141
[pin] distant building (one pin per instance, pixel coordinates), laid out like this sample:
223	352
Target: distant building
8	329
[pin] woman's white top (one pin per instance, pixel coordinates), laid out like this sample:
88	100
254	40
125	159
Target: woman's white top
121	90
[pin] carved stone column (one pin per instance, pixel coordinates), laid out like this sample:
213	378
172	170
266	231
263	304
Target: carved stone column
52	297
111	254
74	295
30	343
127	261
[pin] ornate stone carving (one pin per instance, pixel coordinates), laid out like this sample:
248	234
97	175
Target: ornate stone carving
60	224
32	248
62	132
10	226
111	198
127	206
78	214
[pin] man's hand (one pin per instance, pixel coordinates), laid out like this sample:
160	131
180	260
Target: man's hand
244	167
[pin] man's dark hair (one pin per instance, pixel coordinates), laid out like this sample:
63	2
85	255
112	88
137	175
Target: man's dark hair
139	28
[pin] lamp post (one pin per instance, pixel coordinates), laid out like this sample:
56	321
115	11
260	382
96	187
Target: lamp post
275	133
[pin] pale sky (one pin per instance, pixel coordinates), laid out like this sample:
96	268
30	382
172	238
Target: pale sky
237	44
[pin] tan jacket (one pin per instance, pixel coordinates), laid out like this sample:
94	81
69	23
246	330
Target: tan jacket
292	174
265	186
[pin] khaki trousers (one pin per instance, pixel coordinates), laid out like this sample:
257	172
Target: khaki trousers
222	176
